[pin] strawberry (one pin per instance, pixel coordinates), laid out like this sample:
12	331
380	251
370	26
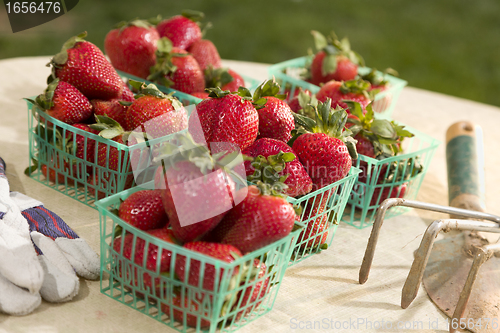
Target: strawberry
339	92
131	47
223	78
127	94
298	181
64	102
380	85
114	109
316	232
186	309
376	138
54	176
139	252
323	146
225	118
83	65
205	53
397	191
295	102
200	94
176	69
183	30
334	60
253	295
144	210
155	113
82	147
275	116
262	218
196	190
224	252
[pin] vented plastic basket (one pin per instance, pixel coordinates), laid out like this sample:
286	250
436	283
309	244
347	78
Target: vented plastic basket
374	185
180	305
54	163
186	99
321	213
288	74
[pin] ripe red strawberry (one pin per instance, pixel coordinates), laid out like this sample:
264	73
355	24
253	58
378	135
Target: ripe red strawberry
339	92
127	94
83	148
83	65
224	252
197	191
259	220
294	102
380	85
334	60
275	116
376	138
200	94
317	226
155	113
187	308
139	252
177	69
112	109
253	295
205	53
183	30
397	191
56	177
325	150
131	47
64	102
225	118
223	78
144	210
298	181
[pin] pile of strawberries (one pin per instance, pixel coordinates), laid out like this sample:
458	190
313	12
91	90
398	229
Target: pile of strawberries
171	52
86	92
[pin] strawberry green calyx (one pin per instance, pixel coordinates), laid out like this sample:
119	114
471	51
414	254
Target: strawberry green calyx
146	24
217	77
275	190
193	15
164	65
108	128
183	148
386	136
267	170
268	88
219	93
152	90
333	47
45	101
308	103
329	121
357	86
62	57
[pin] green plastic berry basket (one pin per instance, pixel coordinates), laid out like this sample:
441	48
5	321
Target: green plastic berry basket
321	224
53	160
289	73
375	183
185	99
188	99
160	294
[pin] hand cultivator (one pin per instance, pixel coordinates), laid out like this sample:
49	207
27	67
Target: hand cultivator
461	275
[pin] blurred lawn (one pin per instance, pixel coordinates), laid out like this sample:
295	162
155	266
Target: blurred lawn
449	46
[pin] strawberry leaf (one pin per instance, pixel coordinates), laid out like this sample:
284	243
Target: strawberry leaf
329	64
320	40
383	128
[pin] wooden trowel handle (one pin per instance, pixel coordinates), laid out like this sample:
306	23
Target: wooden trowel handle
465	163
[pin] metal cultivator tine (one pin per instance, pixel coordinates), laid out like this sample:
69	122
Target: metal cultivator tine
389	203
416	273
481	256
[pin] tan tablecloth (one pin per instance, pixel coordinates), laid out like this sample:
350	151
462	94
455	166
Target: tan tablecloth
320	294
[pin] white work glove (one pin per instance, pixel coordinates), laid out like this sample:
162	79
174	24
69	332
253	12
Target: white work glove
61	253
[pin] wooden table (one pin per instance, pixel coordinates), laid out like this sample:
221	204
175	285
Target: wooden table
320	294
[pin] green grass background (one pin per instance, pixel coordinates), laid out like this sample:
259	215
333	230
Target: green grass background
448	46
